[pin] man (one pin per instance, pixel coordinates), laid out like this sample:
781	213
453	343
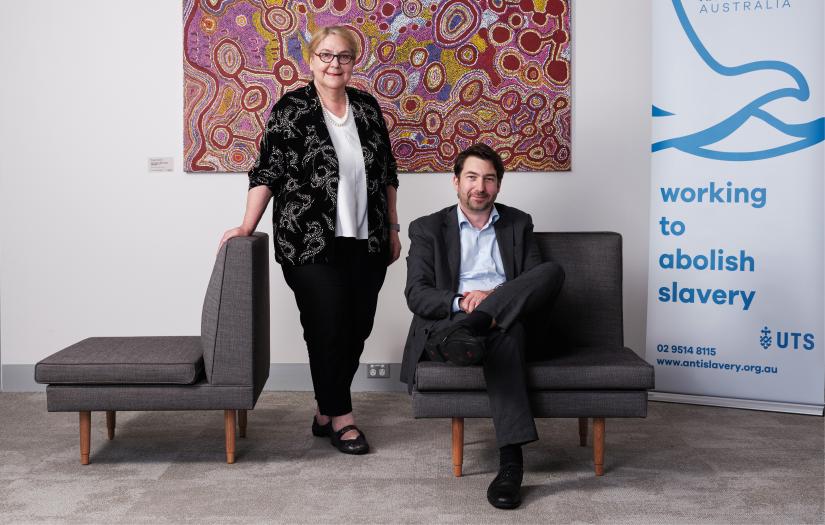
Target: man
473	273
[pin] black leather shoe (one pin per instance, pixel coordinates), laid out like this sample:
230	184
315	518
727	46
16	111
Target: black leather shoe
457	345
321	430
356	446
505	491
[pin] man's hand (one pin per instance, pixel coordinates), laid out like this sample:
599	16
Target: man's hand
472	299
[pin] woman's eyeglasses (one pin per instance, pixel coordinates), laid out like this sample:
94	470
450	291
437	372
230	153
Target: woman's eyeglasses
343	58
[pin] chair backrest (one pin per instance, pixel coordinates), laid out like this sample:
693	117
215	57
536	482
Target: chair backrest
235	321
588	310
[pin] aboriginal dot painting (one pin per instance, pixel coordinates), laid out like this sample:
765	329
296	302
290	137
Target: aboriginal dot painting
446	73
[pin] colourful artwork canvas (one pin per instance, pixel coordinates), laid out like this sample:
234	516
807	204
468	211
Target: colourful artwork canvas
446	73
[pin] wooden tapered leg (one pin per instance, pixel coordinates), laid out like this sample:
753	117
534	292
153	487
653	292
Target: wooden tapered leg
110	423
229	428
458	445
598	445
242	423
582	431
85	433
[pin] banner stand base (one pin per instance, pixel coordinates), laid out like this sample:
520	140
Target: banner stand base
728	402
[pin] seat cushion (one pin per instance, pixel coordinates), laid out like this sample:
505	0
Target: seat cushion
543	403
603	368
125	360
200	396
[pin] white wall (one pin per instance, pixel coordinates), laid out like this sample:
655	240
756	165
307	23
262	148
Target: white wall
91	243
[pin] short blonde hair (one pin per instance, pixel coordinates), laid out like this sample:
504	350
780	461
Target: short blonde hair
322	32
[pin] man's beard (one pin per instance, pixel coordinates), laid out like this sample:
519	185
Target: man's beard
468	203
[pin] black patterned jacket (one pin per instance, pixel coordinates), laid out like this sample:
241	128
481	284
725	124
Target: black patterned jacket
298	163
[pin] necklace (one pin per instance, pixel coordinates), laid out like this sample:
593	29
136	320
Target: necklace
339	122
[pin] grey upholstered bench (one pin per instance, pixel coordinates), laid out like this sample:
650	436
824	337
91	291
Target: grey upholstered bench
584	372
224	368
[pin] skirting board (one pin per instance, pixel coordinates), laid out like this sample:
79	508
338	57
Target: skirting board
748	404
282	377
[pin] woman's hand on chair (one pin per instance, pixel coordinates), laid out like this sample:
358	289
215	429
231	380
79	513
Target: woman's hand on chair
240	231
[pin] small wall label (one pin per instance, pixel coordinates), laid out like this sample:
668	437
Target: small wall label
161	164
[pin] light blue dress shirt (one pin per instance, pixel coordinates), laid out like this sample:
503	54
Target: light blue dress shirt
481	266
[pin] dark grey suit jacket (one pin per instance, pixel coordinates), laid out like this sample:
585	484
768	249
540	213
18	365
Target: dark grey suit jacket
434	261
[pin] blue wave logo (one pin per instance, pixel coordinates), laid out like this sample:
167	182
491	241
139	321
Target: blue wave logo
809	133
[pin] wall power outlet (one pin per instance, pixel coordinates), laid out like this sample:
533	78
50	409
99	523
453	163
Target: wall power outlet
378	371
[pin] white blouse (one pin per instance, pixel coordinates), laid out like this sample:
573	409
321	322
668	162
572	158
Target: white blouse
351	209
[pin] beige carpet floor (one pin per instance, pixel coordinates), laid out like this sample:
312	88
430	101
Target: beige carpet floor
683	464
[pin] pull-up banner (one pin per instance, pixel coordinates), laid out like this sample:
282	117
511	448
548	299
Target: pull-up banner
735	304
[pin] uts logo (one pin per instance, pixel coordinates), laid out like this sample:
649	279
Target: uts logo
765	339
787	340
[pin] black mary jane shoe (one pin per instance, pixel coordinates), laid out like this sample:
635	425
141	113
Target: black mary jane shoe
505	490
321	430
358	445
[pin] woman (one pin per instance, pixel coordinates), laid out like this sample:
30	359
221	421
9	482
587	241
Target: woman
326	162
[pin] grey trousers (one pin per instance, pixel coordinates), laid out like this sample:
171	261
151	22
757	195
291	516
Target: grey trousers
504	361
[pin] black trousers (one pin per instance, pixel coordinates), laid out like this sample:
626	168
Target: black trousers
337	302
505	373
505	369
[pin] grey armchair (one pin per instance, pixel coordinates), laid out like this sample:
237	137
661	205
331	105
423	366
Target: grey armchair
585	371
224	368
